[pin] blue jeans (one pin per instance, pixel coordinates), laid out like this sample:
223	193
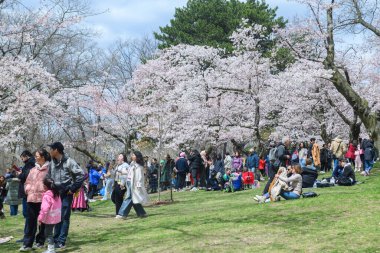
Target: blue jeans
128	204
61	230
289	195
303	162
108	188
368	165
336	163
14	210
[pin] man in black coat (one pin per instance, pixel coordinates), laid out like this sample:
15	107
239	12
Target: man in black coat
196	165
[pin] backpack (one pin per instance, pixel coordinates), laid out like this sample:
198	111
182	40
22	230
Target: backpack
272	154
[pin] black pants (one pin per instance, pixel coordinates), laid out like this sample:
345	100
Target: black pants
203	177
93	190
181	177
117	196
194	175
271	173
33	210
324	166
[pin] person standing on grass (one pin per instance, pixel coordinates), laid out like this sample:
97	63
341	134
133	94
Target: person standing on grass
3	194
181	168
109	177
29	163
50	213
34	189
316	154
68	177
136	192
121	171
11	190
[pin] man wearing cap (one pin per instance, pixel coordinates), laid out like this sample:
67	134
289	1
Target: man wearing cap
68	177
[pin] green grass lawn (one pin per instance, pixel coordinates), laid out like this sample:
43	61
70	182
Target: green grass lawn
341	219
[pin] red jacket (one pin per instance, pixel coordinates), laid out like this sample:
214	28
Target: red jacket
350	152
261	164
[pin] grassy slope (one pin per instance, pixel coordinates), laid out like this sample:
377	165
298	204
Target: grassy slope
341	219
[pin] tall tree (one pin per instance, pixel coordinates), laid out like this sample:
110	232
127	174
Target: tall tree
212	22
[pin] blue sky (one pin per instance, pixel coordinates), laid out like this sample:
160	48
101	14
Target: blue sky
133	19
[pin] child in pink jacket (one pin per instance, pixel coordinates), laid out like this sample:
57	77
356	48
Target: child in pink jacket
50	213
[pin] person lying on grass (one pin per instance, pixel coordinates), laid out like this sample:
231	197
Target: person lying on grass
293	181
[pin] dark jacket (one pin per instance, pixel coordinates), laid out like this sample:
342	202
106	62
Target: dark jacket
67	174
348	172
324	155
282	153
369	152
219	166
29	164
252	161
196	161
182	166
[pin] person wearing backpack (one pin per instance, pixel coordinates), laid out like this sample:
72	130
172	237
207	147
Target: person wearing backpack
338	149
369	157
279	157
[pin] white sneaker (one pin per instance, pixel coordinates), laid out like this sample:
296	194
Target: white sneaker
25	249
91	200
119	217
322	172
194	189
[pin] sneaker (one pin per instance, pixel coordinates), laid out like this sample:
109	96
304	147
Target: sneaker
194	189
38	246
256	199
322	172
59	246
25	249
119	217
91	200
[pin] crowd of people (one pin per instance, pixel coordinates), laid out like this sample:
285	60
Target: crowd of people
50	184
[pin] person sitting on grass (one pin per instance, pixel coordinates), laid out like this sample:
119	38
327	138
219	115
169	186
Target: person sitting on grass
344	174
294	185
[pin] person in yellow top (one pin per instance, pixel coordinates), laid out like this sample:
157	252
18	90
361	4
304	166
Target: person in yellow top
315	152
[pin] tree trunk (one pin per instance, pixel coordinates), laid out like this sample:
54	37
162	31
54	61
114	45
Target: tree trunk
360	106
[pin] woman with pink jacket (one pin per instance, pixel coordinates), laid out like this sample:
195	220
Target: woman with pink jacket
34	189
50	213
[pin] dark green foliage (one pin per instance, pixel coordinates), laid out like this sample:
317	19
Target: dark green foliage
211	22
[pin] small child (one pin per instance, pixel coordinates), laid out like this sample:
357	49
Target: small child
262	167
50	213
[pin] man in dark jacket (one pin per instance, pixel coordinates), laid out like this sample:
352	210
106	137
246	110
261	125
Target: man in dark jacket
181	168
69	177
196	164
369	156
324	158
29	163
282	156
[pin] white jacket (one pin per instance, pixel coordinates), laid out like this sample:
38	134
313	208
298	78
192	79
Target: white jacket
139	194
